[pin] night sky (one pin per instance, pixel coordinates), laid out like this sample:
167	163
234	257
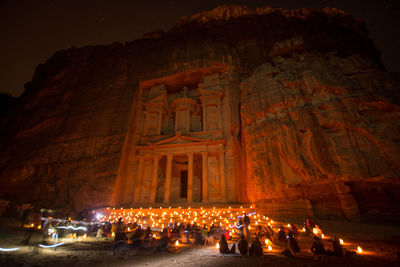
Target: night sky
31	31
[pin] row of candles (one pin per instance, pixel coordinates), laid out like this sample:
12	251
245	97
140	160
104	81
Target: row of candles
225	217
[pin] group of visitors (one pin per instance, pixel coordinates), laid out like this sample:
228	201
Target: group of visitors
140	237
284	237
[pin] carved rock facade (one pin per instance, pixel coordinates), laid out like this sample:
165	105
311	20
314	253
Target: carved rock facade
290	110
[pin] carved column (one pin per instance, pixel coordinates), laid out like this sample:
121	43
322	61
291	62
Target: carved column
219	116
204	180
187	121
190	178
222	175
204	118
139	175
153	192
160	119
146	122
167	193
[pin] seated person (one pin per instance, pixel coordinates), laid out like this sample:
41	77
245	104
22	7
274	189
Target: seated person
337	248
213	228
204	232
224	248
256	248
243	246
226	233
186	234
138	233
293	246
282	234
294	230
198	238
317	247
100	232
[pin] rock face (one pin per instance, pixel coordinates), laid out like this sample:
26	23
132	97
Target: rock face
319	117
318	127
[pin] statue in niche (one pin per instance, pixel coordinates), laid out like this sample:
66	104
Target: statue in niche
185	92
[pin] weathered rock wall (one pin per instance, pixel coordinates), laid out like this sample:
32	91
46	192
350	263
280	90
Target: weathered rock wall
61	145
317	113
317	127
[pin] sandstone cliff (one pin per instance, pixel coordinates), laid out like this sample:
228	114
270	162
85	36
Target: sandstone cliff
319	115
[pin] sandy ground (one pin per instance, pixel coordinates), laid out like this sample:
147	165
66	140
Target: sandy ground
380	243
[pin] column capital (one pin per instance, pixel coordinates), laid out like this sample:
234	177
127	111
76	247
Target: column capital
169	155
190	154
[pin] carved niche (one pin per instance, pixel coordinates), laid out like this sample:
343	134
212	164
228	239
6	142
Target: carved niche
211	94
184	107
155	109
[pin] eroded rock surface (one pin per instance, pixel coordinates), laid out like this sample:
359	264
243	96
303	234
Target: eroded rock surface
315	126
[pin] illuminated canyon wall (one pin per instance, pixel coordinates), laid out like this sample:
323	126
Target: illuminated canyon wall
319	116
320	129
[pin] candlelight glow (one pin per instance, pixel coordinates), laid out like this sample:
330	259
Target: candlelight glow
315	231
341	241
269	248
217	246
177	243
266	241
359	249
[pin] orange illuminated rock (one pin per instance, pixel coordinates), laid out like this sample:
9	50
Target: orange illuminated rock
288	109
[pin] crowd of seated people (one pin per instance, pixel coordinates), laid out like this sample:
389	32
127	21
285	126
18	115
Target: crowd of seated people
193	234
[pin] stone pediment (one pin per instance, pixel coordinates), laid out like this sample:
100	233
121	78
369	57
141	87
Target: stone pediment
160	98
181	139
156	94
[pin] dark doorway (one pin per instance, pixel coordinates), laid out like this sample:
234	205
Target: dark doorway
184	184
